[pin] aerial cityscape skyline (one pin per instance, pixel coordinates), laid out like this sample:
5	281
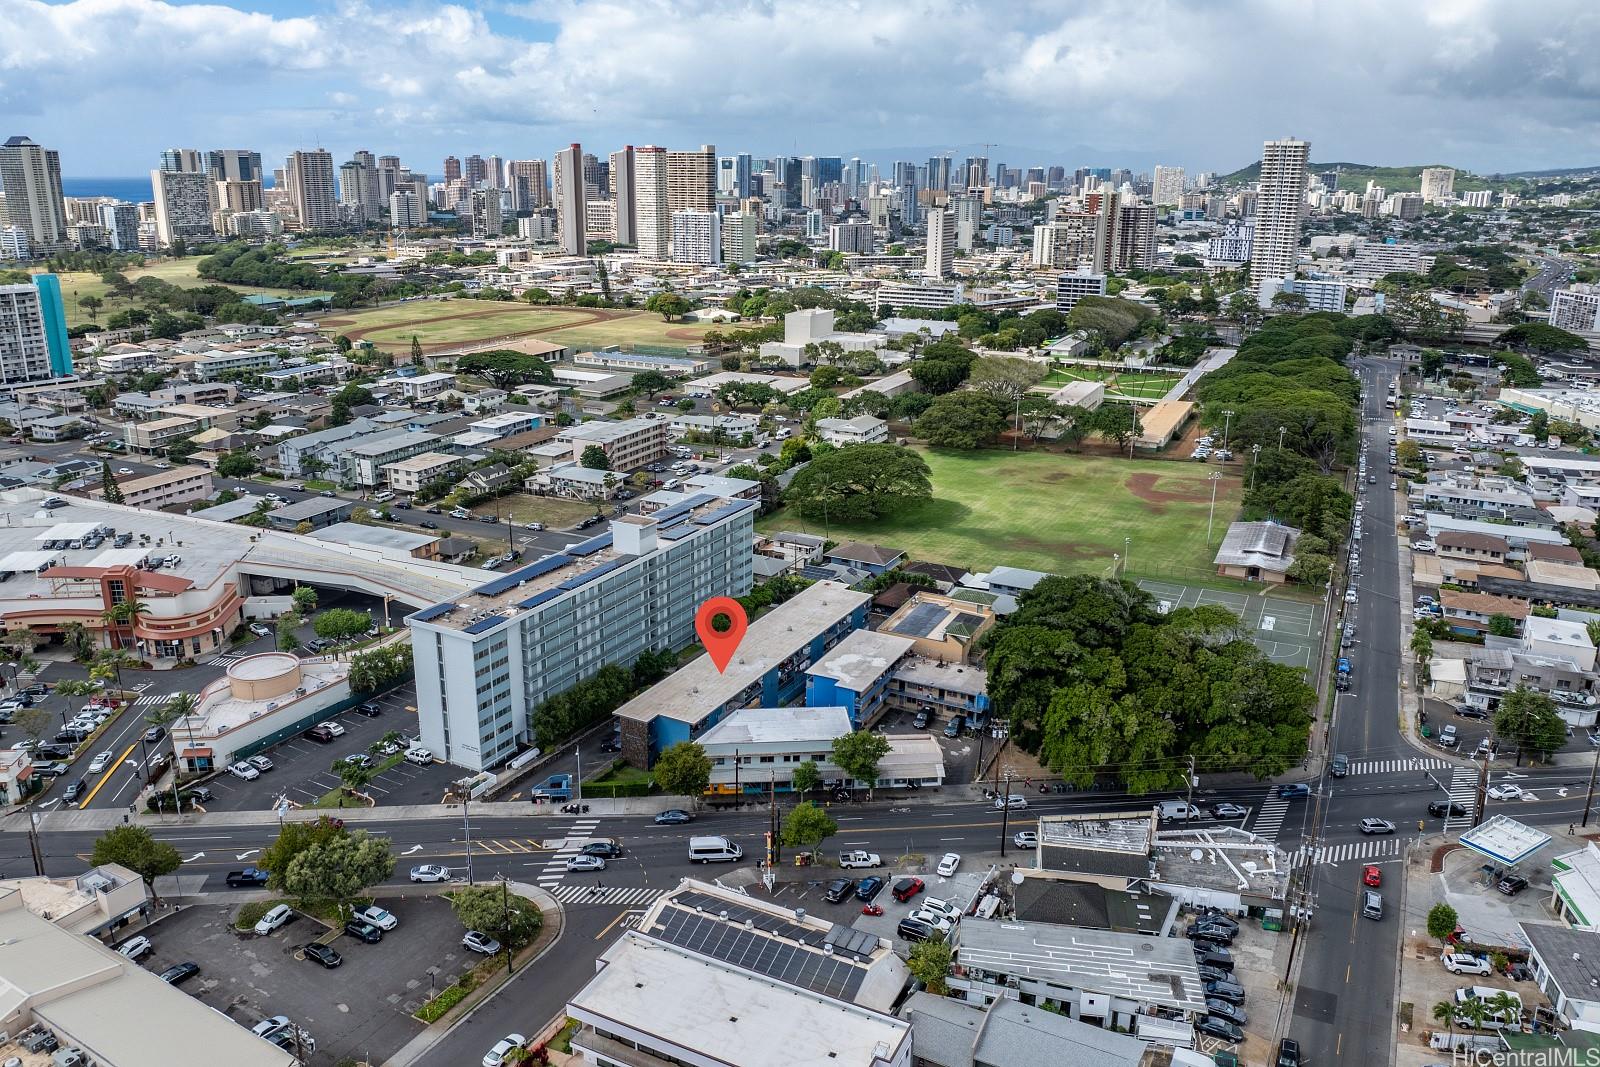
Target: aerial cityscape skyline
525	80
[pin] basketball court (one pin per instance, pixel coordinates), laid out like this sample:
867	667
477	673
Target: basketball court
1288	631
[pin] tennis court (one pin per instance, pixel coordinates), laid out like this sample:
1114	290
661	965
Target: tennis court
1288	631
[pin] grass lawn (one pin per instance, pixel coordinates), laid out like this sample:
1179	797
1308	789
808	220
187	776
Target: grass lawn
469	328
1052	512
554	512
179	272
638	328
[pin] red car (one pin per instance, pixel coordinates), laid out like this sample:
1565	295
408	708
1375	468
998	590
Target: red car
906	888
1371	876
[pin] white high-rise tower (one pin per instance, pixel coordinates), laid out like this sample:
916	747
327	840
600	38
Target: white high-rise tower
1280	205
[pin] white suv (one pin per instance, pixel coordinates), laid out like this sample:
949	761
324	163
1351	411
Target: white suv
1463	963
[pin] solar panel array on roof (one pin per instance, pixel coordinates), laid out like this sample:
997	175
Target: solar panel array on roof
588	576
817	574
589	547
921	620
434	612
723	512
488	622
523	574
759	951
682	507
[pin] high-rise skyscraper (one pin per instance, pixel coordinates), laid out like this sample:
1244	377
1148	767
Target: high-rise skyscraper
31	176
530	188
485	204
494	172
236	197
233	165
941	243
1279	209
182	161
733	175
358	187
622	195
406	211
788	172
570	200
1438	183
696	237
977	172
939	173
651	205
692	179
1167	187
183	205
121	221
33	331
829	169
388	177
474	170
739	237
311	189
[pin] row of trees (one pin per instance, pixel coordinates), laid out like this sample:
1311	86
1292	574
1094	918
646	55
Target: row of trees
1097	682
597	696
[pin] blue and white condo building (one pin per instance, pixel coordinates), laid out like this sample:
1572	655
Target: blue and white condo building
486	661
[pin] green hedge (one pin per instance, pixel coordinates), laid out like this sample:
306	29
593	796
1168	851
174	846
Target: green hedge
611	790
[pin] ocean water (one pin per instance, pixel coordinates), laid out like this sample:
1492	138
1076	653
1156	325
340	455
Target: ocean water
136	190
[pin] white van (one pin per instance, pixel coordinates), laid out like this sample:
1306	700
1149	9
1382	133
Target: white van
713	850
1177	809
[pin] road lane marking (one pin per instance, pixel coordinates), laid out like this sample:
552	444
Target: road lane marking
111	772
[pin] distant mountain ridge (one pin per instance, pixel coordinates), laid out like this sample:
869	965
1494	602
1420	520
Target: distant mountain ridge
1354	176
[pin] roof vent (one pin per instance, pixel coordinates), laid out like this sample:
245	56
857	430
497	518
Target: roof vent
723	915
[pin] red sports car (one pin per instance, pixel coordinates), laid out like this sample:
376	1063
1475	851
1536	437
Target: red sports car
1371	876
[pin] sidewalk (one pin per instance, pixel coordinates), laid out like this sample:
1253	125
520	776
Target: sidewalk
549	935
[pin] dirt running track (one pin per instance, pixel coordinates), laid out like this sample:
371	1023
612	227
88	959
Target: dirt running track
590	316
1143	486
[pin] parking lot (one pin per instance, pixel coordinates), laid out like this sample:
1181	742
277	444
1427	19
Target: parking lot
361	1009
301	768
960	753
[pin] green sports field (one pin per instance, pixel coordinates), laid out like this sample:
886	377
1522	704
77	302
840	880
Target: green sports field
179	272
446	322
1143	385
1052	512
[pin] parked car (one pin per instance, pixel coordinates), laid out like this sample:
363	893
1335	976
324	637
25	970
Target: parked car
1212	933
868	888
369	709
323	954
1222	1009
906	888
477	941
179	973
921	719
383	920
1466	963
914	930
1218	1027
1219	958
1512	884
260	629
1288	1047
419	756
948	864
362	930
243	770
136	947
272	920
1228	810
1228	990
1025	839
260	763
319	733
496	1056
839	889
332	727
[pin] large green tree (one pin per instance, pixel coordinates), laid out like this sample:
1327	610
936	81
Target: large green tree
511	919
136	849
506	369
962	420
683	769
1005	377
857	754
930	962
859	483
807	826
594	457
334	871
1541	338
341	624
1528	719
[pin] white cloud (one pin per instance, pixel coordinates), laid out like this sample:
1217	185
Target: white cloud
1476	81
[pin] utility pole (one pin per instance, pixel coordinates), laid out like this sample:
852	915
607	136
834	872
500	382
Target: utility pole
1004	800
33	843
772	818
1483	789
577	779
505	920
1189	798
1588	800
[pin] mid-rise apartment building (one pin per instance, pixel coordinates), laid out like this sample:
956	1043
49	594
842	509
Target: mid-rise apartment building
487	660
1075	285
852	237
183	205
155	491
739	237
628	444
1576	308
33	331
696	237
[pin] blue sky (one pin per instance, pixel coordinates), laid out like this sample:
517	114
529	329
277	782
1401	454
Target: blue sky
1475	83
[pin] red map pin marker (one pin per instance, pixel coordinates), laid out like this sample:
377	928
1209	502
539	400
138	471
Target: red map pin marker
721	644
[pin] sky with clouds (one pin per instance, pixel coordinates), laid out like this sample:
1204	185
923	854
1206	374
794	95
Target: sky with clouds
1484	84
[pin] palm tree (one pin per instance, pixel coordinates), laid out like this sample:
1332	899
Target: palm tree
109	664
127	613
1445	1012
1505	1008
181	706
1475	1011
76	636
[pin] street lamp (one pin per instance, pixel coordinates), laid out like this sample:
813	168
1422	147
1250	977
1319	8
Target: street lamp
1227	417
1127	553
1281	431
1255	459
1216	476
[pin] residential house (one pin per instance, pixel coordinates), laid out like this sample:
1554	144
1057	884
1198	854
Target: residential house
1469	613
861	430
489	479
411	474
1257	551
858	555
317	511
1453	544
1009	1033
855	674
940	627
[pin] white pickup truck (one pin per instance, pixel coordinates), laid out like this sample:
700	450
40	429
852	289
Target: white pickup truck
858	858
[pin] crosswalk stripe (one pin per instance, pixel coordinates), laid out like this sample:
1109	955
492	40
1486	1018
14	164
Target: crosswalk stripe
594	894
1373	848
1396	766
153	699
1269	820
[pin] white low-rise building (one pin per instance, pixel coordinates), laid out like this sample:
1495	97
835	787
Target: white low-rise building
261	700
861	430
